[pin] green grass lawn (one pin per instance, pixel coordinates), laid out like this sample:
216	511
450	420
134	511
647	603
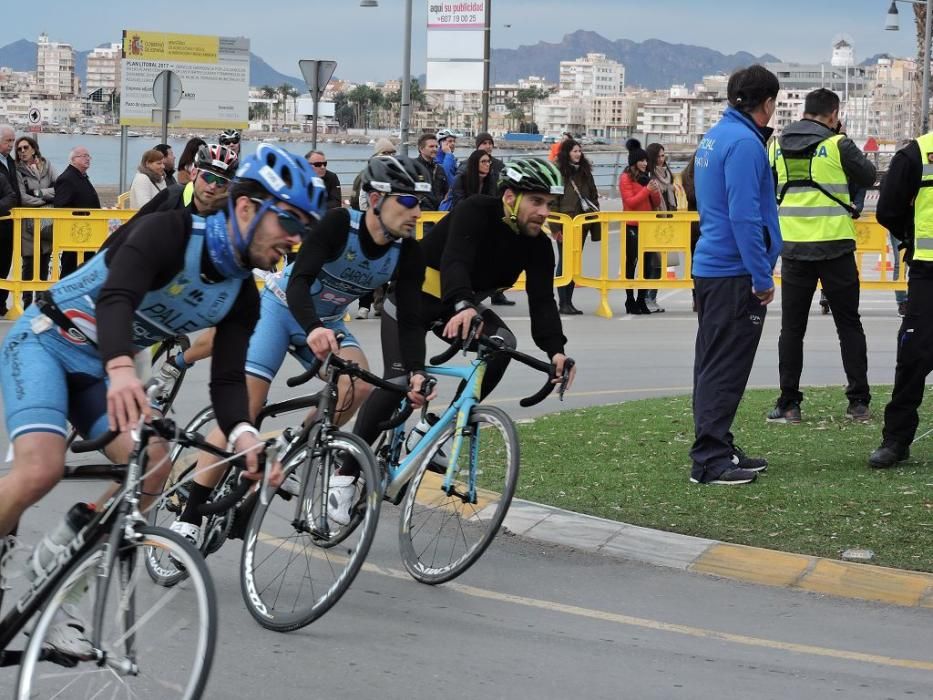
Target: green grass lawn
630	462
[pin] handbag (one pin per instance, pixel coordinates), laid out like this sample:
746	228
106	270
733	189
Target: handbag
594	230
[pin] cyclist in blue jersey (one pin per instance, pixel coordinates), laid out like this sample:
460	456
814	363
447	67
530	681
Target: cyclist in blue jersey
349	254
172	273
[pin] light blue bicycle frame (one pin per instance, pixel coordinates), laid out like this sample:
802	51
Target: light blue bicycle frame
400	473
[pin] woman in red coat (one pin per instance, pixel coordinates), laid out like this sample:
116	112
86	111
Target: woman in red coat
639	193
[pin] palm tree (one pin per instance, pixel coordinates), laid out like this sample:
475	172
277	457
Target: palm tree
920	15
269	93
286	90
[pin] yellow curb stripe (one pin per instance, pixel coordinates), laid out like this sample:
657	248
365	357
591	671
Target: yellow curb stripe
846	579
762	566
869	582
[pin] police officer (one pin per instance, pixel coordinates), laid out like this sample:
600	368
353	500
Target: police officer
817	171
905	208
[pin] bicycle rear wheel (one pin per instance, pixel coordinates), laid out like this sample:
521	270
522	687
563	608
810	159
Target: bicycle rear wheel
150	642
295	566
441	535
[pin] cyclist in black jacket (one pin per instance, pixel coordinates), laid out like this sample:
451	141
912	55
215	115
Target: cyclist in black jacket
477	250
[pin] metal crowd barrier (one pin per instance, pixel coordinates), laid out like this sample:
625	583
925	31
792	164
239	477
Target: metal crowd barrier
665	233
72	230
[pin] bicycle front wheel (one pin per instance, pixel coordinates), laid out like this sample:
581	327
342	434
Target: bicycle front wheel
298	558
442	534
144	641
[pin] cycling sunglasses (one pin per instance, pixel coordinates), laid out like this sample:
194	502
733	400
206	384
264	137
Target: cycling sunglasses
212	179
291	223
409	201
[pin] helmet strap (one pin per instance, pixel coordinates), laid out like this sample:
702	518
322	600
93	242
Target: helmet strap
240	241
511	213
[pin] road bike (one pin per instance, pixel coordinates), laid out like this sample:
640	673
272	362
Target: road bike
144	640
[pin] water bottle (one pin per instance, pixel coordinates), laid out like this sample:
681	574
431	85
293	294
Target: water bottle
46	552
419	431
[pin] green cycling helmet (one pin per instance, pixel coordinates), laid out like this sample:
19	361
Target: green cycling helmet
531	175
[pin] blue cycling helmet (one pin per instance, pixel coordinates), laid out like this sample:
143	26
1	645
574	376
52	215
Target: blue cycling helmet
287	178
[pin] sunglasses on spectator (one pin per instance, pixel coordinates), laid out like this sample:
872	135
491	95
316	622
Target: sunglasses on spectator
213	179
409	201
292	224
320	164
24	147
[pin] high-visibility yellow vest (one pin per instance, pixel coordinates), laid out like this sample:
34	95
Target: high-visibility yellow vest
815	205
923	205
187	194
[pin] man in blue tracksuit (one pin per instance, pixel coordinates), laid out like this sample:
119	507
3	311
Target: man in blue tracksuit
740	241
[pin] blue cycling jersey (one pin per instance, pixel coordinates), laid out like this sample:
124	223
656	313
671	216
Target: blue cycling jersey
49	377
186	304
345	279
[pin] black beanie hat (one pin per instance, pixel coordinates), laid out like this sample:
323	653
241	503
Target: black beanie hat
482	137
635	152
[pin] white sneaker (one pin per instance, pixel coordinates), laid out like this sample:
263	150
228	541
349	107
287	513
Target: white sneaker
67	634
340	498
362	312
189	531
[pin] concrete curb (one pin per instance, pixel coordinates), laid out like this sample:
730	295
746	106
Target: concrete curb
713	558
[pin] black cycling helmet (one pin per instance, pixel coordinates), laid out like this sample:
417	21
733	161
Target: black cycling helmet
395	175
531	175
229	137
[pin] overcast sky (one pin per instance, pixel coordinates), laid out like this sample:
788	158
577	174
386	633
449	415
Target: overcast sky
367	42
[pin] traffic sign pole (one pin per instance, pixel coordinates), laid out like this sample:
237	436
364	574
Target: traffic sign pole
316	74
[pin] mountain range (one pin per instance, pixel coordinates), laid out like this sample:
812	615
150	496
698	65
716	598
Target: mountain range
21	56
652	64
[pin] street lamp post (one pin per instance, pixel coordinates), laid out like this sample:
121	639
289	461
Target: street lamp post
892	24
405	108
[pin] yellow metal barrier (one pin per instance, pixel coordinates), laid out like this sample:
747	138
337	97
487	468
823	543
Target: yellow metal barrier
658	232
73	230
666	233
871	239
123	201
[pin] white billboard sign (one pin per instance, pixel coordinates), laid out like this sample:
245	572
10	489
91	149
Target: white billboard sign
455	49
209	80
467	14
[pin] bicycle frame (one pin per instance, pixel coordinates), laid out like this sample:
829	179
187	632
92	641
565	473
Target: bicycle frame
399	473
122	507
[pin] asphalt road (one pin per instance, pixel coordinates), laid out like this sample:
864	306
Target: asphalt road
533	620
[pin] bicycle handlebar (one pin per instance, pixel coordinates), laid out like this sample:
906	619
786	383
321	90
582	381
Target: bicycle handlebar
497	344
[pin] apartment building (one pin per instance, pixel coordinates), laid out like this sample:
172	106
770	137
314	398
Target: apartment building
103	69
55	68
594	75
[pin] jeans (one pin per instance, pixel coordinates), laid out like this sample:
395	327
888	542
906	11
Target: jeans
651	265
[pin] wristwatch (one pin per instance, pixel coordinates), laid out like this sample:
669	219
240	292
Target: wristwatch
463	305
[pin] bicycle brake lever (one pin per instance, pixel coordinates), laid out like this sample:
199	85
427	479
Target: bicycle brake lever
565	377
475	323
278	446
